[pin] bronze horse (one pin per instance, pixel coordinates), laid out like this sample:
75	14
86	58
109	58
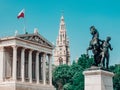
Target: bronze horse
95	46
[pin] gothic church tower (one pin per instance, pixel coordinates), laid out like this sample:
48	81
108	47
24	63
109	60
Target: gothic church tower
62	52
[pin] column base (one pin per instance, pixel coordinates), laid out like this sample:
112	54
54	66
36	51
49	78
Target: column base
98	79
24	86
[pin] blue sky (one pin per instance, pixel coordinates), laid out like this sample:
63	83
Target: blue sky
79	16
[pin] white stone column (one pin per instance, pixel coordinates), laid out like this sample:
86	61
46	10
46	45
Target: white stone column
30	66
2	64
50	69
14	68
44	68
37	67
23	64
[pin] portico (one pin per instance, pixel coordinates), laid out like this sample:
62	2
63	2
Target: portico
24	58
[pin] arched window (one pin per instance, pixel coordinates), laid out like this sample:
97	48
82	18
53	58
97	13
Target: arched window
60	61
64	51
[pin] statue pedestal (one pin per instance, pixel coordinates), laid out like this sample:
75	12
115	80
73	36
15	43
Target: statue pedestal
98	79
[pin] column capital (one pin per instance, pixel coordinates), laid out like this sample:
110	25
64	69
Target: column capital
38	52
30	51
44	54
23	49
14	46
2	48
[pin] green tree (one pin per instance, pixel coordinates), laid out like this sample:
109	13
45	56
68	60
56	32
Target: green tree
60	76
116	81
75	77
85	61
116	78
68	86
78	81
74	68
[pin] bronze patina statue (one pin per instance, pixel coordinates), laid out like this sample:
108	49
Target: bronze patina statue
99	48
105	52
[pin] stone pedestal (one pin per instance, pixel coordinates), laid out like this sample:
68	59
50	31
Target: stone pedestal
97	79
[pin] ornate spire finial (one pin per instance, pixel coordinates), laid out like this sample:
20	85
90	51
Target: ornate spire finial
62	13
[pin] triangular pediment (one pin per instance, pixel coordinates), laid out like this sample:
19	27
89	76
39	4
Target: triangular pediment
36	38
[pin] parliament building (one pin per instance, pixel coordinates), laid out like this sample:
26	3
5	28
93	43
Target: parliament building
26	62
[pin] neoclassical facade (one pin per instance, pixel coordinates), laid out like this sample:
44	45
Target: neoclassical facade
26	62
62	51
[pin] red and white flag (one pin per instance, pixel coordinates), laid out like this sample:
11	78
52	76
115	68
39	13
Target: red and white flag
21	14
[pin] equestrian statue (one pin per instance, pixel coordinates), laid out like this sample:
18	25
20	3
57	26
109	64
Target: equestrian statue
100	48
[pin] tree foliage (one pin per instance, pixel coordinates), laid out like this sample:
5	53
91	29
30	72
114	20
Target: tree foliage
116	78
85	62
60	76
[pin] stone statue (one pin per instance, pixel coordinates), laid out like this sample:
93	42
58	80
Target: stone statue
105	52
100	48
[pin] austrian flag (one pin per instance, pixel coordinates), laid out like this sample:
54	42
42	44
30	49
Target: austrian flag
21	14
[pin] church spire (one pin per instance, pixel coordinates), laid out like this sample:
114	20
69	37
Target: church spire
62	23
62	32
61	52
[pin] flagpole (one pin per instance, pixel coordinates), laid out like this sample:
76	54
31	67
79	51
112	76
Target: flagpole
24	29
24	22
